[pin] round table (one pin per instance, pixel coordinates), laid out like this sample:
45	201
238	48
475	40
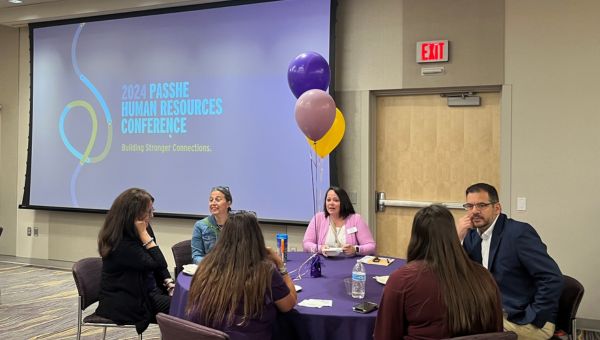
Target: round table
329	323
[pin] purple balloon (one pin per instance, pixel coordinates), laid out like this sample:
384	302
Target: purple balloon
308	71
315	113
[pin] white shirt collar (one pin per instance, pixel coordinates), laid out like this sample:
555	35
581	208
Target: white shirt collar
486	241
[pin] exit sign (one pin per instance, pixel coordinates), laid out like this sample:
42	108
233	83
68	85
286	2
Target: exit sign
432	51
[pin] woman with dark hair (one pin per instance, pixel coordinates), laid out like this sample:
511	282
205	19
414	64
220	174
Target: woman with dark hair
239	286
440	293
134	270
206	231
338	226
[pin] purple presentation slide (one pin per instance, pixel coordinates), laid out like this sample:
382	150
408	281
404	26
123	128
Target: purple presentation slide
177	103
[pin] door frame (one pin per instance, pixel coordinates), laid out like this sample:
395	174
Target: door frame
369	195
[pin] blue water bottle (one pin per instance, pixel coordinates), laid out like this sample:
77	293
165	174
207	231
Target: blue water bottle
282	246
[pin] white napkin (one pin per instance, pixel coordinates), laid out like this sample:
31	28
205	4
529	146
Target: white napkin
381	279
190	269
315	303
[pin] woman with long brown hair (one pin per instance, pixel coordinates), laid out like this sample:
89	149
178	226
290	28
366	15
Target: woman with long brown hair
440	293
239	286
135	278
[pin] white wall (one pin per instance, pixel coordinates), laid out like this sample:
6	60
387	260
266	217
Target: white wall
552	48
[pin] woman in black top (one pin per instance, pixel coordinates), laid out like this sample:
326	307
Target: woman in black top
135	282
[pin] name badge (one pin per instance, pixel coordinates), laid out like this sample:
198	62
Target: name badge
351	230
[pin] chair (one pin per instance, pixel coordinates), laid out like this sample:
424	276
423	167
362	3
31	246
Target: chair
568	304
182	253
174	328
483	336
87	273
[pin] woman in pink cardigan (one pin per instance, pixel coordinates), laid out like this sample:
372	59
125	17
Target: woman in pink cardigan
338	226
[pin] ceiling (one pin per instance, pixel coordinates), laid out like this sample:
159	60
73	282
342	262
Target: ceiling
19	15
5	3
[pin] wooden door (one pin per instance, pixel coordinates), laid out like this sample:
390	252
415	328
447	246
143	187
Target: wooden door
427	151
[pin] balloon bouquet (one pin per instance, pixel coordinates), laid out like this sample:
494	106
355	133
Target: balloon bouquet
316	115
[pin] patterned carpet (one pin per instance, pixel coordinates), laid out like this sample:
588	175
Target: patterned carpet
40	303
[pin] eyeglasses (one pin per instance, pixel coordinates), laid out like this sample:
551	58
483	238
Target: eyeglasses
237	212
479	206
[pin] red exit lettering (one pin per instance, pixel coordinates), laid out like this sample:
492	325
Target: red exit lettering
432	51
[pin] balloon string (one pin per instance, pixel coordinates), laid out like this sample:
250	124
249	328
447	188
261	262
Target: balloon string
312	179
319	179
320	186
313	191
318	169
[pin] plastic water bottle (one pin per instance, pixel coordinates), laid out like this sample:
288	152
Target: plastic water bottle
359	280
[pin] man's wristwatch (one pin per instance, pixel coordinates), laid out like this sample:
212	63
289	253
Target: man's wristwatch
356	250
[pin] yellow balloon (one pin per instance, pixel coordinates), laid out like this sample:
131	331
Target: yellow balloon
332	138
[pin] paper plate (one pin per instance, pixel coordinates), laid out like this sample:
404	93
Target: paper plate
332	251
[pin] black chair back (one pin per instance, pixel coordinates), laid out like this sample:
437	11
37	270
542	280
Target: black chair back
87	273
174	328
182	254
483	336
571	297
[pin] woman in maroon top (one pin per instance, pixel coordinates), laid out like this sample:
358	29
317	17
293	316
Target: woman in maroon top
240	285
440	293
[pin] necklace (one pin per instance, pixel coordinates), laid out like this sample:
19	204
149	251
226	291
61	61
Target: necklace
336	232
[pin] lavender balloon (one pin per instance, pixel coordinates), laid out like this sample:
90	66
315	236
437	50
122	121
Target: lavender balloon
315	113
308	71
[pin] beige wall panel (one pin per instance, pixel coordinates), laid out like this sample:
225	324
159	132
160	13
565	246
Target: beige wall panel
556	129
368	35
427	151
9	117
475	31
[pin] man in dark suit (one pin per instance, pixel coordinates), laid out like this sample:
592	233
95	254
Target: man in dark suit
529	279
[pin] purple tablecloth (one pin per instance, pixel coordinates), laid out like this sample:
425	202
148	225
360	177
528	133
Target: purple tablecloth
328	323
